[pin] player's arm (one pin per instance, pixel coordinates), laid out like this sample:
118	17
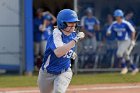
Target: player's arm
61	48
42	27
109	30
133	31
82	24
133	36
97	25
60	51
53	17
83	28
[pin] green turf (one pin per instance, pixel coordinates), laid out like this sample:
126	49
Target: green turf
25	81
105	78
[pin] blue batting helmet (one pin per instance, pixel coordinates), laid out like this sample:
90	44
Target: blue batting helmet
66	15
118	12
89	10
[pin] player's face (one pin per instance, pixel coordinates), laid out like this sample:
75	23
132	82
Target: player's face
47	22
118	19
70	27
39	14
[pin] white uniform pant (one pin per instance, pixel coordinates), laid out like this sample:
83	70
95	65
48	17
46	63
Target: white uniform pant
123	47
39	47
91	42
50	83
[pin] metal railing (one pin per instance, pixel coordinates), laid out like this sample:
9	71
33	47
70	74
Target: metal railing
103	59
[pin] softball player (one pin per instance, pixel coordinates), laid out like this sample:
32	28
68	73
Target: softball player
55	73
38	41
90	24
125	34
43	26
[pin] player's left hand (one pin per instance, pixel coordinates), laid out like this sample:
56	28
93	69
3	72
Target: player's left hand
80	35
133	43
74	55
42	28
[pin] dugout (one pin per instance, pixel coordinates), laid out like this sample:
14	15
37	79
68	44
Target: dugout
103	7
100	7
54	6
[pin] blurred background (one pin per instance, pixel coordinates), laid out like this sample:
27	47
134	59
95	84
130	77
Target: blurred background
22	45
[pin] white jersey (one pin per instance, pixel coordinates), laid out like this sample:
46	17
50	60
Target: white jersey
122	30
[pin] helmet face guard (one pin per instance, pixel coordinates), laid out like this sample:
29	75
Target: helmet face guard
66	16
118	13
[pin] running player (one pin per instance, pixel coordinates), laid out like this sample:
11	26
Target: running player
55	73
125	34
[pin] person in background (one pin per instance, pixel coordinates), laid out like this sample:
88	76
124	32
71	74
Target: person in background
38	20
90	24
111	38
43	26
129	18
121	28
109	41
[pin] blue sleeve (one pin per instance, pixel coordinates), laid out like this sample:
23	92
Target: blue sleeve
130	28
36	25
97	22
51	43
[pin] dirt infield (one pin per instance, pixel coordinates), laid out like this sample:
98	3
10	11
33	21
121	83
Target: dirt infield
103	88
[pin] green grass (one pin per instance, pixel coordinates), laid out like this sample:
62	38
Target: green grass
82	79
17	81
105	79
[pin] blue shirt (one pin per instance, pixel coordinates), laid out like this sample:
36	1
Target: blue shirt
122	31
47	32
51	62
37	32
110	37
89	23
132	22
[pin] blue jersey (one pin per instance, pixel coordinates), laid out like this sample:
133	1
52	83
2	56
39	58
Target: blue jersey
122	31
37	32
111	37
47	32
51	62
89	23
132	22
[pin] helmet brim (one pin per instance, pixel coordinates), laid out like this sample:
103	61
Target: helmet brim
72	20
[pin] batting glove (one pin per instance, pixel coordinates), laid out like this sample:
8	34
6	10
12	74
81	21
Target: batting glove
133	43
80	35
74	55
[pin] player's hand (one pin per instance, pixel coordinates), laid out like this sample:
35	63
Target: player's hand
133	43
42	28
80	35
74	55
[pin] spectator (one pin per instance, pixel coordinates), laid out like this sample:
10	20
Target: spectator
109	41
43	25
106	26
90	24
129	17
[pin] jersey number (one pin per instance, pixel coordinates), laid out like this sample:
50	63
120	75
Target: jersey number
69	54
119	33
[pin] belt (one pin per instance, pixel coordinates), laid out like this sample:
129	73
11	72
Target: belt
57	73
